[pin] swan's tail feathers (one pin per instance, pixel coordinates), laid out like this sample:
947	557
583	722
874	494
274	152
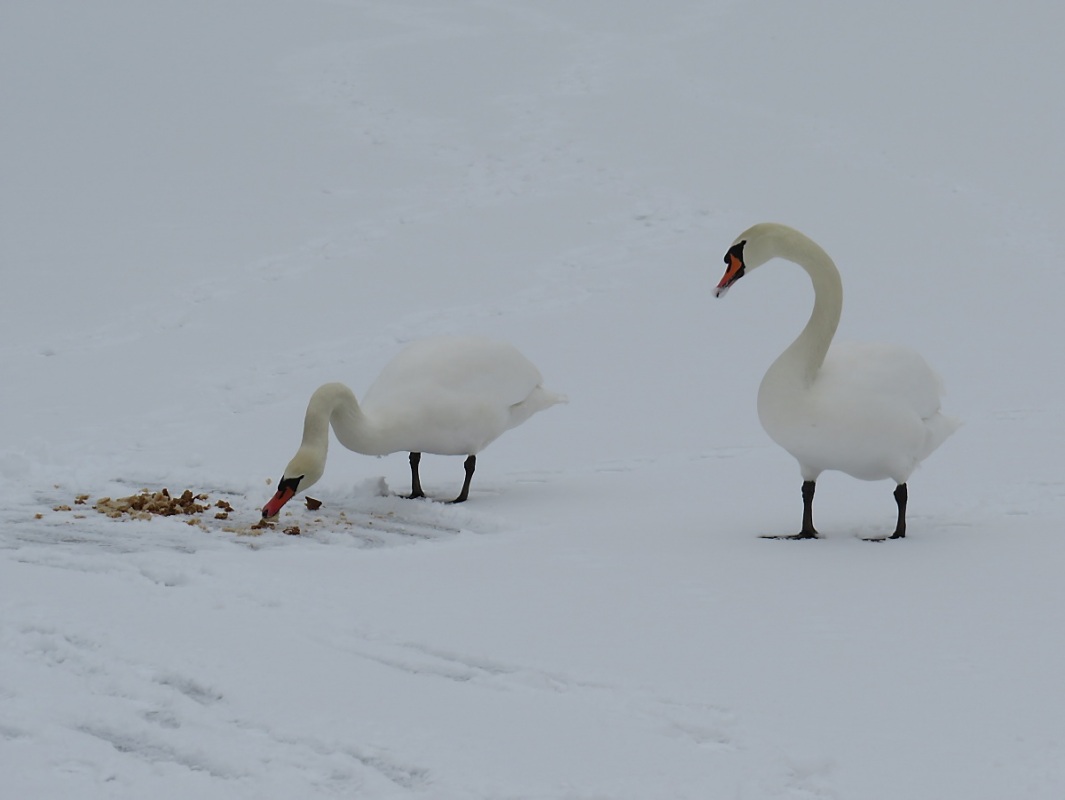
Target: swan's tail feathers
937	429
542	398
539	399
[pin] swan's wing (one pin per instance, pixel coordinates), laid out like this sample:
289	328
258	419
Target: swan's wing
454	371
886	374
887	399
454	395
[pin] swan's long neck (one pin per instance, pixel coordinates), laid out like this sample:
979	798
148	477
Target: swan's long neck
335	404
332	404
804	357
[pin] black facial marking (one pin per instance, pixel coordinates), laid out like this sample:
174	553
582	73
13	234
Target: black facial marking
737	251
289	483
734	252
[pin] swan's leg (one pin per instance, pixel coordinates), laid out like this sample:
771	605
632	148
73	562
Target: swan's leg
901	495
469	465
808	530
415	479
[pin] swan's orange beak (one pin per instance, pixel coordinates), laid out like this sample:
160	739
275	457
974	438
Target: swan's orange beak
283	495
733	272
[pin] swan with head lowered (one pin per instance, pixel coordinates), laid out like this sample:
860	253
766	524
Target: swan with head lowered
869	410
446	395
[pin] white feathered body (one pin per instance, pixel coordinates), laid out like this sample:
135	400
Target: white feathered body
448	395
872	411
451	396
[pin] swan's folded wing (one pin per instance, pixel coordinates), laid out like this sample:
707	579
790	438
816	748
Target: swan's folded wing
895	375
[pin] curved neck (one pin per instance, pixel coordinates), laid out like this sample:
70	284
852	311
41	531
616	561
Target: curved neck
335	404
807	353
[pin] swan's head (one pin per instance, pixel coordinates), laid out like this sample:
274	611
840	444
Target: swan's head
302	472
752	248
735	268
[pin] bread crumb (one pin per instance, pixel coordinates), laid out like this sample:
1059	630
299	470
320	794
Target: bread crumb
148	504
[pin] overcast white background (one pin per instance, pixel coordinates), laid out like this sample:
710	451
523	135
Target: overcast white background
208	209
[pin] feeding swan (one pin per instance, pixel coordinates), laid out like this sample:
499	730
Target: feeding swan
446	395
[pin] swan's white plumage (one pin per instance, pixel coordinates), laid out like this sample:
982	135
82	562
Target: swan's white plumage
872	412
454	395
869	410
447	395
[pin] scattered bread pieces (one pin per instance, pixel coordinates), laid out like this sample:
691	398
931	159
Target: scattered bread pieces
148	504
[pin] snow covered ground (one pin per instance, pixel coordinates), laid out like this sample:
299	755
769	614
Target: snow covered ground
208	209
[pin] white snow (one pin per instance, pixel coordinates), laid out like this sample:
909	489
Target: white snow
209	209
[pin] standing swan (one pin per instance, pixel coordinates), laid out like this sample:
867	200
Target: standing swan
869	410
446	395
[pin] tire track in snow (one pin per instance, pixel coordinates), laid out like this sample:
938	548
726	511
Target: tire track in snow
173	718
704	725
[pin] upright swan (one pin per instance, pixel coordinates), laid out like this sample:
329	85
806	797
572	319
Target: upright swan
446	395
871	410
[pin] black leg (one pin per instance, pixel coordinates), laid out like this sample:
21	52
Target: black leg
808	530
469	465
900	527
415	479
901	495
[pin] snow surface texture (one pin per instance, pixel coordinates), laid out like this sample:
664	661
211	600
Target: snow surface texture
209	209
